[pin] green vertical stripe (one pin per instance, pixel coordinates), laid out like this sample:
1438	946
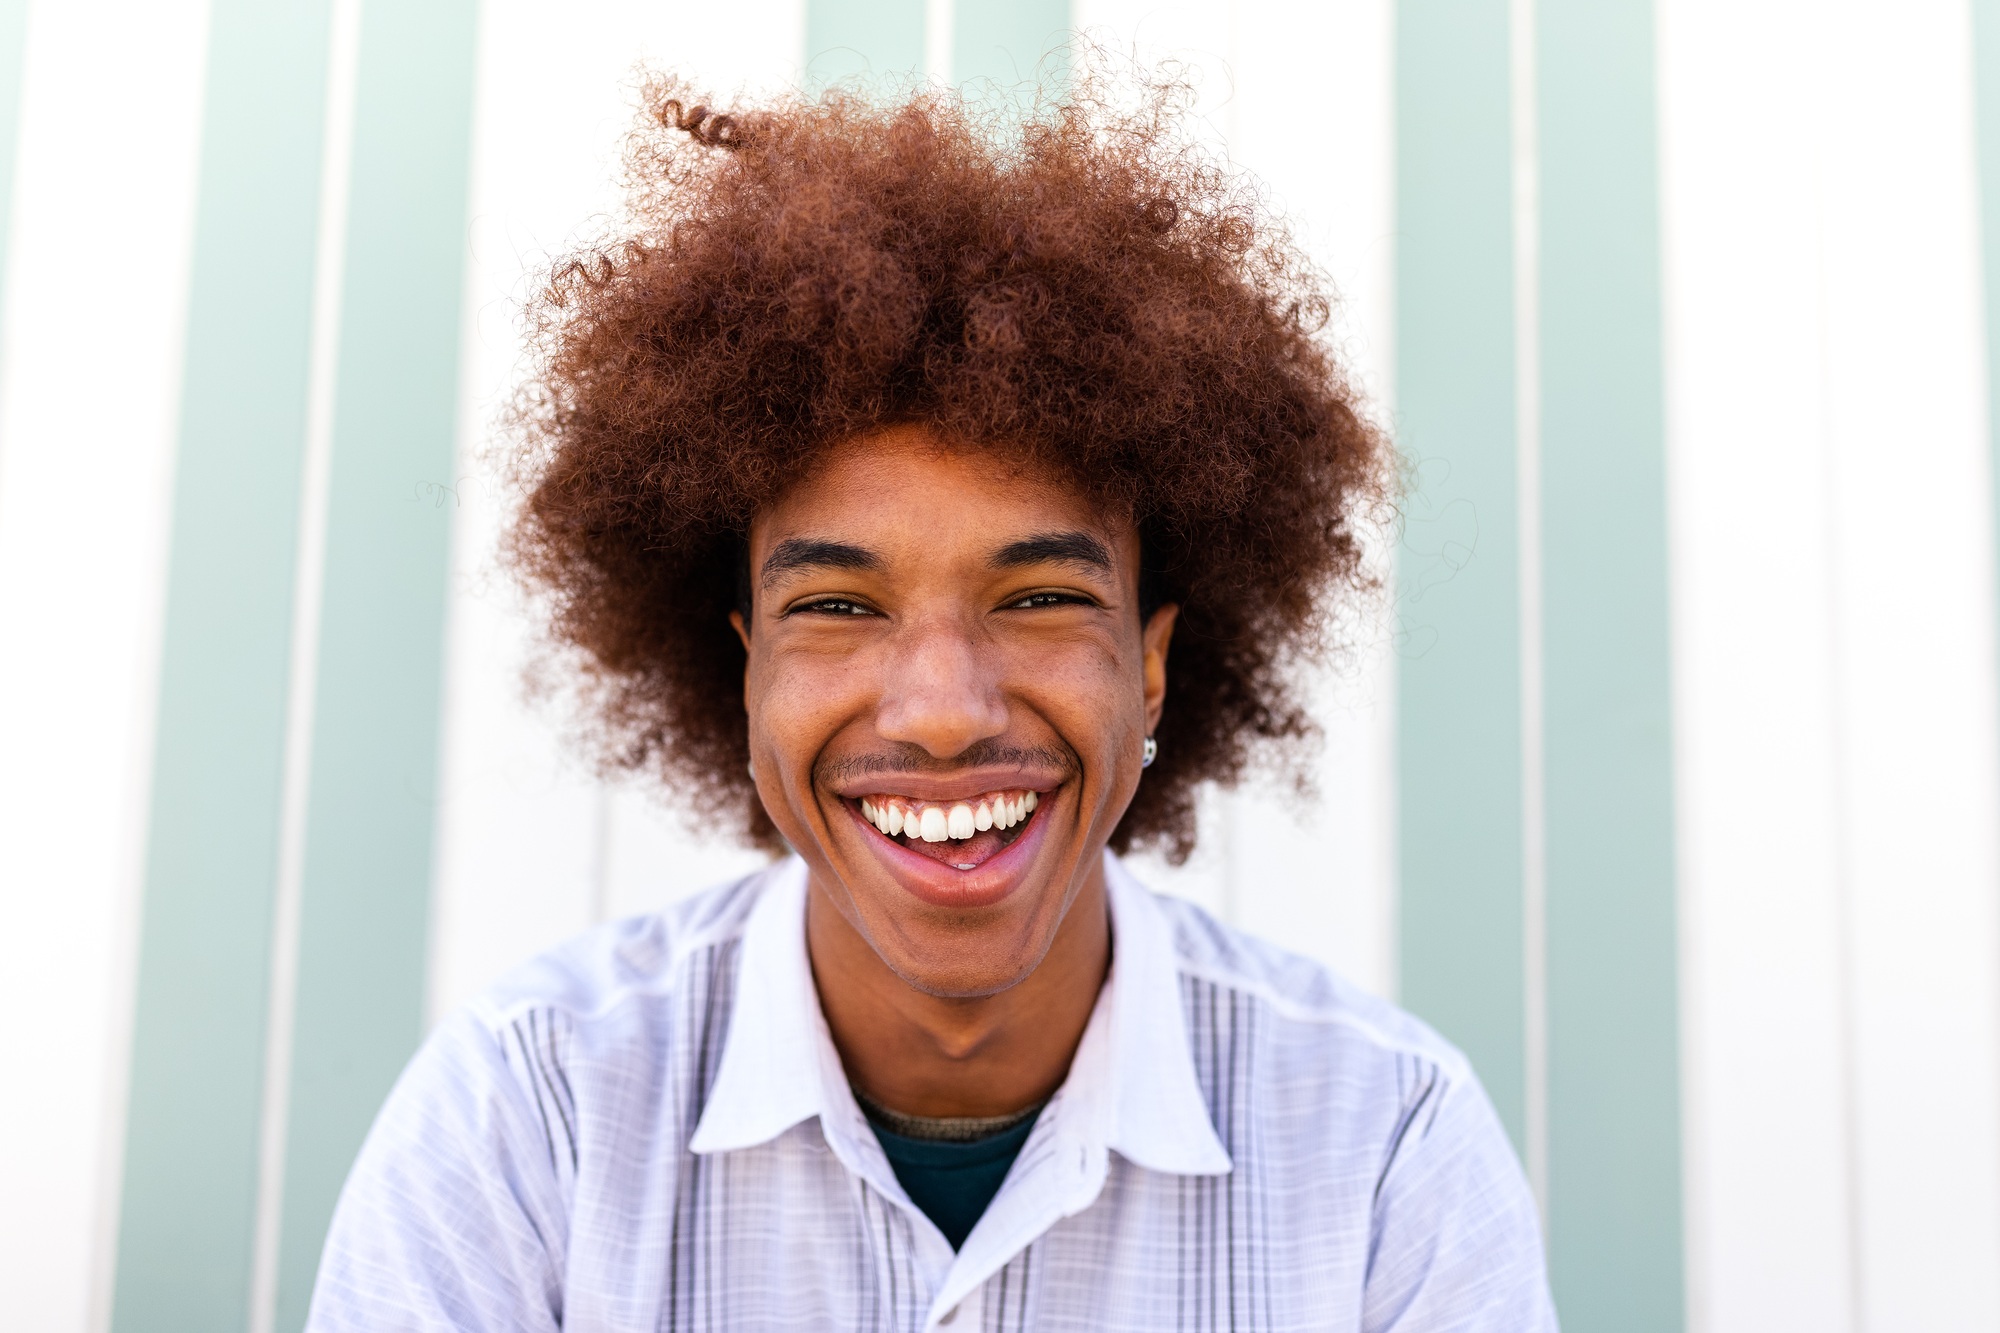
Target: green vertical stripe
1986	95
190	1184
364	909
1007	43
846	39
1614	1092
1459	685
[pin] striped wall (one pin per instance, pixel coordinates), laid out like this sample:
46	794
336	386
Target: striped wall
1538	884
1664	777
281	950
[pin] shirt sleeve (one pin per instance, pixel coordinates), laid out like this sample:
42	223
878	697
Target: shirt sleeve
1457	1241
453	1216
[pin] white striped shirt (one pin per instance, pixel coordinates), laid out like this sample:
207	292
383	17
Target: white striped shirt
650	1129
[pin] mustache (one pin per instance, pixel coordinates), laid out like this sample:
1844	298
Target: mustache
904	757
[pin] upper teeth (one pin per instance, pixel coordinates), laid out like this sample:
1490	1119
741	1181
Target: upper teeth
935	823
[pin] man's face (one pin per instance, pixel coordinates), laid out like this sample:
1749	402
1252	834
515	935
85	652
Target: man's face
949	687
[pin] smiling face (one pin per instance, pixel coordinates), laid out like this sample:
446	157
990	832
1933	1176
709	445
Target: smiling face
949	686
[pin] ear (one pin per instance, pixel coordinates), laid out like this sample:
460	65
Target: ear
1159	631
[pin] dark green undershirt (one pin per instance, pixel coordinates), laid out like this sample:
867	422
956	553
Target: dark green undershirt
953	1181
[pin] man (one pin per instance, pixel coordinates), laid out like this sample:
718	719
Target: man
943	509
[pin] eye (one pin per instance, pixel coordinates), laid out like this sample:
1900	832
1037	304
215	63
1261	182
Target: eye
834	606
1036	600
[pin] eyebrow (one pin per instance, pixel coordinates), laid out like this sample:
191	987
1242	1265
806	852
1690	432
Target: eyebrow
1055	548
813	553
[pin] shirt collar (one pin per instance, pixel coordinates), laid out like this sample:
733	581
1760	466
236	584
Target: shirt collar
770	1077
1161	1119
1132	1087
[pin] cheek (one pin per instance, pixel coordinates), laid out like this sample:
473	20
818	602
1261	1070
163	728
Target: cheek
1094	696
796	702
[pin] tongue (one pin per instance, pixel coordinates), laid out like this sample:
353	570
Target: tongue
959	852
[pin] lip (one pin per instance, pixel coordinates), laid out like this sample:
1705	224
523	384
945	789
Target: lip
962	785
936	883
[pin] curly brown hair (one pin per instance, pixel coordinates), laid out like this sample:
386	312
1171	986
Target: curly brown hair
1081	286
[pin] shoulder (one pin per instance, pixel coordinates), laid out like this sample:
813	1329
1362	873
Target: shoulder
462	1195
1311	1049
1351	1087
1306	999
562	1045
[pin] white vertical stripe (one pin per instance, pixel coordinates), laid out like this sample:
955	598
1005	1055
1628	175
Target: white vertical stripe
1913	557
939	25
308	587
1835	670
96	291
530	848
1527	221
651	858
1273	76
1764	1092
645	855
1853	1290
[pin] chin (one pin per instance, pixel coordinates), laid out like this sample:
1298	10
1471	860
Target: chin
955	952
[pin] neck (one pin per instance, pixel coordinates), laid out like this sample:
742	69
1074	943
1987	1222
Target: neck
939	1056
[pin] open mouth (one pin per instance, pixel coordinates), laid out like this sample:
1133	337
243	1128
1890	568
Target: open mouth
960	834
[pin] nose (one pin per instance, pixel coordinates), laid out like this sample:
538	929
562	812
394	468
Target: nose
941	689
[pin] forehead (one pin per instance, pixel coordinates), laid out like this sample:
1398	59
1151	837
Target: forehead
905	491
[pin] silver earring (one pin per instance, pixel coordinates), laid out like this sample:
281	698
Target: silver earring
752	766
1149	753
